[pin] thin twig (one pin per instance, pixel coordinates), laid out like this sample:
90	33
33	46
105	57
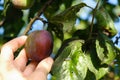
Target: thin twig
94	11
90	7
29	26
41	19
31	22
37	16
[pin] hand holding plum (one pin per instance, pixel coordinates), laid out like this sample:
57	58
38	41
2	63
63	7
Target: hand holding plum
17	69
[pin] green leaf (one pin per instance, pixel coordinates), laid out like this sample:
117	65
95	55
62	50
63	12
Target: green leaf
101	72
70	64
105	49
98	72
57	7
82	34
68	17
58	29
89	63
92	61
90	76
74	64
105	22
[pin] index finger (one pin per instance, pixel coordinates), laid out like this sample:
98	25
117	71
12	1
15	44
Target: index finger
10	47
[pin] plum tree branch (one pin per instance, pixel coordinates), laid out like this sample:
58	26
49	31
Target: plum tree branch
37	17
31	22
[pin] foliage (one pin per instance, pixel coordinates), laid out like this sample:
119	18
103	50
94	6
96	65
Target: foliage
83	50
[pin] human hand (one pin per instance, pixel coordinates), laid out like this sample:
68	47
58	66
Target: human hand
16	69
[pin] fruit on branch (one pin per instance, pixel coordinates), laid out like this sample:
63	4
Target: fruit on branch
23	4
39	45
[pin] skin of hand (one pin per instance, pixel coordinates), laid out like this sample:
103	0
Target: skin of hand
16	69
